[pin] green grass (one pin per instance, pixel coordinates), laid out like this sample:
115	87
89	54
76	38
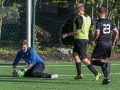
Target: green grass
66	71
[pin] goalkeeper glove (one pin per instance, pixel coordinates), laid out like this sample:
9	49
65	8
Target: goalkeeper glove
24	70
20	73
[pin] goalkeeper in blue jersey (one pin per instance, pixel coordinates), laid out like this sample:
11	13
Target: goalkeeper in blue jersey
35	65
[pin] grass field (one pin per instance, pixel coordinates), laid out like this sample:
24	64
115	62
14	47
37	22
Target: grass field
66	72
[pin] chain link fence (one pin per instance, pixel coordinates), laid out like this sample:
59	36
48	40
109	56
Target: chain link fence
52	18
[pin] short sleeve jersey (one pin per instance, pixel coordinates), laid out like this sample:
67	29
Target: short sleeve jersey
105	26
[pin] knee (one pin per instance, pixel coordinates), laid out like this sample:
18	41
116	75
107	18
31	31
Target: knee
74	54
76	57
86	61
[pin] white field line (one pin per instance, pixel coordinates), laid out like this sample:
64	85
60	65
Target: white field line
52	65
63	75
88	74
60	66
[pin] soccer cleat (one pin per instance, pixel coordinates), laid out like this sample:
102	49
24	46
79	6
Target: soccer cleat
54	76
79	76
106	81
97	76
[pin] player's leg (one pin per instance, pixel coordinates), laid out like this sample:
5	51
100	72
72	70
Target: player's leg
77	60
91	67
106	71
78	66
33	72
100	53
97	54
83	54
106	66
97	62
37	71
28	73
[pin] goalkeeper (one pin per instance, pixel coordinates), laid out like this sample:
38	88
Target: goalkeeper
35	65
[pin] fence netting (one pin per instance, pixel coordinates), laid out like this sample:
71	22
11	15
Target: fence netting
52	18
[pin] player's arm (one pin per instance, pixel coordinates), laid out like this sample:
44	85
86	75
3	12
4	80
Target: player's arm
116	34
17	59
32	60
74	32
29	66
97	33
78	22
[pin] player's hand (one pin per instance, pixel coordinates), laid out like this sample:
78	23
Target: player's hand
14	72
20	73
91	42
64	36
24	70
113	44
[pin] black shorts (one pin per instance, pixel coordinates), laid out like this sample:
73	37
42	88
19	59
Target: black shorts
102	49
80	48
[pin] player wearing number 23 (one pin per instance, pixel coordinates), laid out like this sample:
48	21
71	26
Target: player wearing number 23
104	43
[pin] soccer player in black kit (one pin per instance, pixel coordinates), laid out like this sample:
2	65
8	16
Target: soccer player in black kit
104	43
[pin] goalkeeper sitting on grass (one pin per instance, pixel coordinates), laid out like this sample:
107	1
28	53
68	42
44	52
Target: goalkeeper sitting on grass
35	65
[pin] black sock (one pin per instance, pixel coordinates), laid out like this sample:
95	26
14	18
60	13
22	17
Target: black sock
106	70
78	67
45	75
91	67
97	63
42	75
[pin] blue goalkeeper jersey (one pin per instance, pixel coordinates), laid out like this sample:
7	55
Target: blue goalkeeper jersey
31	57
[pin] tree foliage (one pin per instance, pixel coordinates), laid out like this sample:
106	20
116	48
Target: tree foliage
112	6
